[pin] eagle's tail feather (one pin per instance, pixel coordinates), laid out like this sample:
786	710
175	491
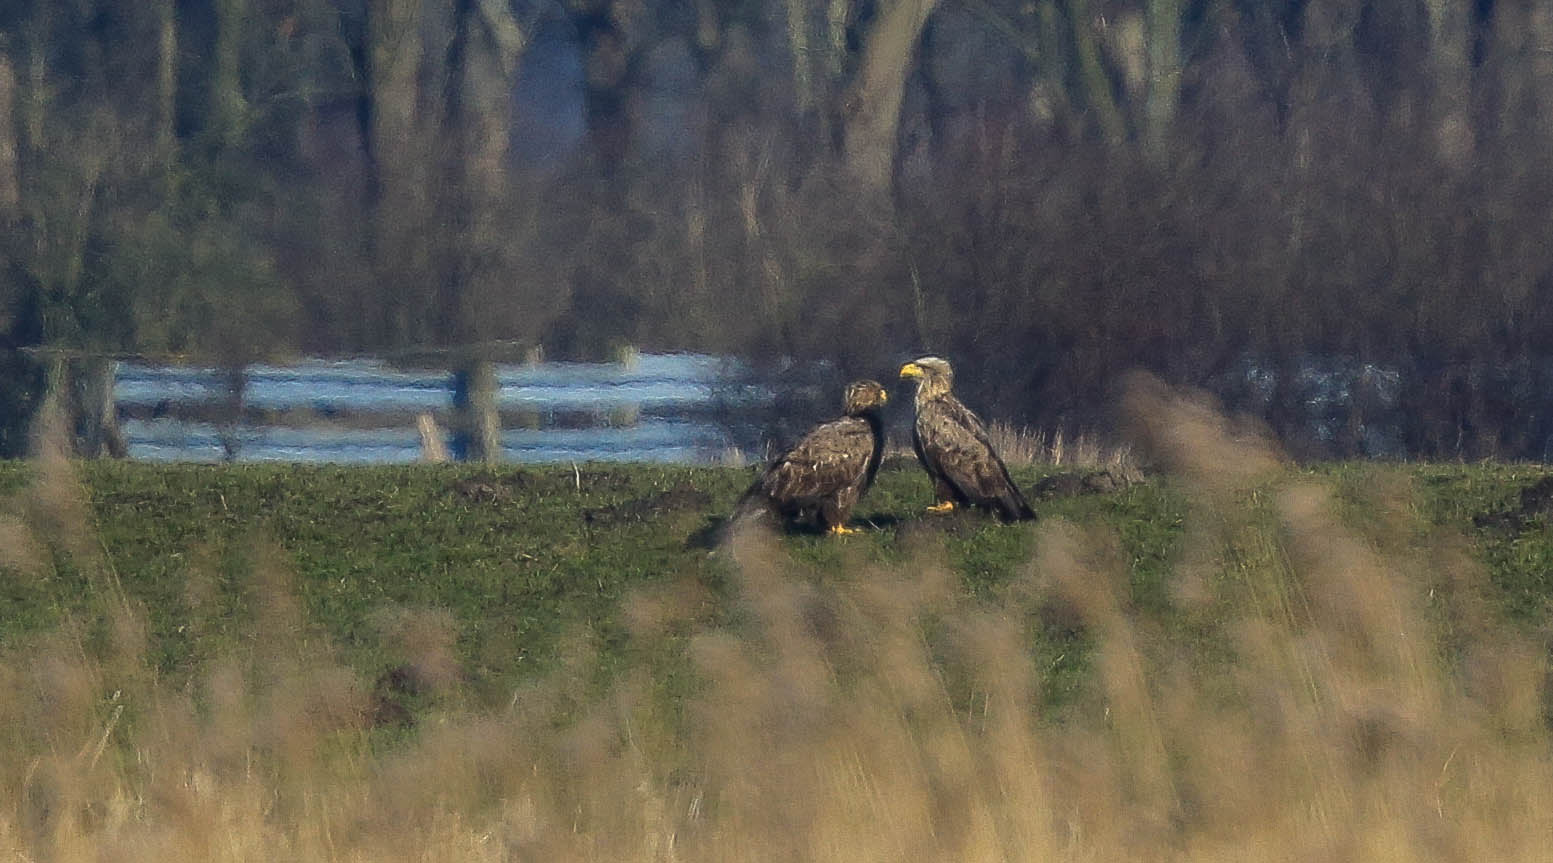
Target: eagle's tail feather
753	507
1012	506
752	504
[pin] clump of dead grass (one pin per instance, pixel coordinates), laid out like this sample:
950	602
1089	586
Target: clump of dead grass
1086	450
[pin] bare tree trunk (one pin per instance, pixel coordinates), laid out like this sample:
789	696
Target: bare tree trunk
10	181
34	98
1163	22
609	33
482	57
1524	38
1327	28
455	199
770	280
836	37
1542	44
1095	84
1450	47
496	43
1050	102
874	100
227	105
798	46
397	181
832	69
358	24
166	82
72	243
358	32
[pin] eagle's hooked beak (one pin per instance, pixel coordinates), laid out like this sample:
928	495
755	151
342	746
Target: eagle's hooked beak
883	396
911	370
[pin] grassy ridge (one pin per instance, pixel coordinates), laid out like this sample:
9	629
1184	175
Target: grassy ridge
520	555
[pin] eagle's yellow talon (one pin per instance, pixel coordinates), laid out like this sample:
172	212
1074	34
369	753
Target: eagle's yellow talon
942	508
843	530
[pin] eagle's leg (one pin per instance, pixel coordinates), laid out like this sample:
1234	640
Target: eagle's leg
834	512
944	494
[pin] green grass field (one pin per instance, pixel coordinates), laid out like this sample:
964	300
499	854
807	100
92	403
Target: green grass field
1237	656
519	556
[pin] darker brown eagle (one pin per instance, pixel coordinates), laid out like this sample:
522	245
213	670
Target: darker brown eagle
822	477
951	442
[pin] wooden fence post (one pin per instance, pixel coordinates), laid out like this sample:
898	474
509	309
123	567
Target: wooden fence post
477	425
99	420
81	390
235	376
433	450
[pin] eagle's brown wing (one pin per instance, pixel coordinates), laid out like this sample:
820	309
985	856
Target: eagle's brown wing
826	470
952	443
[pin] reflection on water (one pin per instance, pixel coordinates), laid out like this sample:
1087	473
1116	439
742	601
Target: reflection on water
660	408
649	440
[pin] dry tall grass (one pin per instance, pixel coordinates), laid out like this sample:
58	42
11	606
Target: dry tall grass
880	715
1086	450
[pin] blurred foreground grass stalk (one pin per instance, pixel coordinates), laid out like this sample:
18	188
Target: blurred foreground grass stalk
1309	698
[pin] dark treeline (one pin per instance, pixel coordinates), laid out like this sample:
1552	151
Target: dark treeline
1229	193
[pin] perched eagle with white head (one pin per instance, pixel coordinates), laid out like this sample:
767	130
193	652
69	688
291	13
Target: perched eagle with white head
951	442
822	477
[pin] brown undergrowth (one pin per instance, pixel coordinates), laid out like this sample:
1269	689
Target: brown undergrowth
1307	699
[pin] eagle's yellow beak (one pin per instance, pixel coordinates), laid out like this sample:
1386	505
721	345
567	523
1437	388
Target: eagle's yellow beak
911	370
883	397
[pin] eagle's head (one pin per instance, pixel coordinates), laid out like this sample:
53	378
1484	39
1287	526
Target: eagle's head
863	396
933	376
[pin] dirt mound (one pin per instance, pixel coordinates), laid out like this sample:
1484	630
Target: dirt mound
681	497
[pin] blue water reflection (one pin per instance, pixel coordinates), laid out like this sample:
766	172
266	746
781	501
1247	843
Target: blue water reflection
654	409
